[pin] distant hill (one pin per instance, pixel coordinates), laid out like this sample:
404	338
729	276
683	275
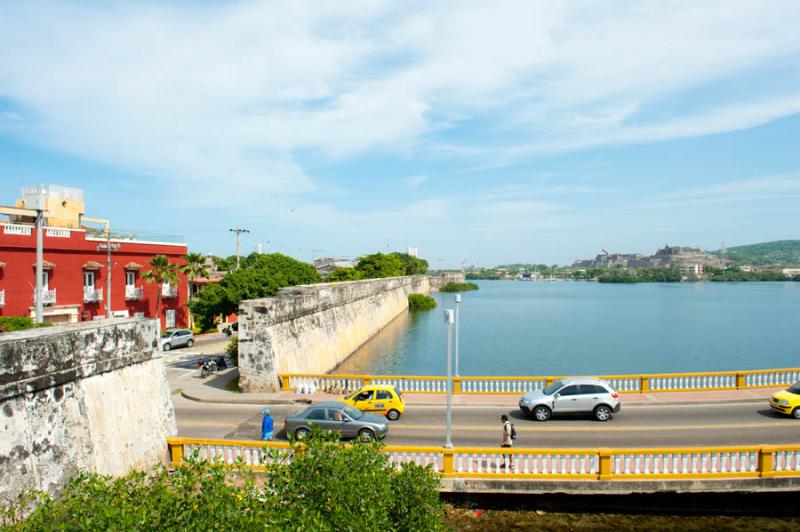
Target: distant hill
766	253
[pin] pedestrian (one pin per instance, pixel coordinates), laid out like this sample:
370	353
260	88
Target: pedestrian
267	426
506	442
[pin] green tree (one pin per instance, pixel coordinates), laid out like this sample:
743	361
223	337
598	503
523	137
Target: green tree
263	276
421	302
344	274
161	271
194	267
411	265
379	265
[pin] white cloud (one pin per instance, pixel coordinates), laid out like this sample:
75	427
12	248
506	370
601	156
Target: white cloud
415	181
219	99
746	190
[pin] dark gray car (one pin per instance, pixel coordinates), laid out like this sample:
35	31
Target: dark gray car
333	415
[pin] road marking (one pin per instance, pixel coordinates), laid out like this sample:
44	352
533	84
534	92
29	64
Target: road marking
631	428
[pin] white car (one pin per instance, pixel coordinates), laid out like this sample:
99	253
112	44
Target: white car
572	396
176	338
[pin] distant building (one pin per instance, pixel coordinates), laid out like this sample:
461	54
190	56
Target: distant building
325	266
791	272
685	258
414	252
75	263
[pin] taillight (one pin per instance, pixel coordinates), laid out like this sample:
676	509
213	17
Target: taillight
615	395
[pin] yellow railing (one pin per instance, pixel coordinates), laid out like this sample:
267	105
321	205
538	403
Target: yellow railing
548	464
643	383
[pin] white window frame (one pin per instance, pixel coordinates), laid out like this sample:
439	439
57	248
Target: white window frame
130	278
45	280
89	279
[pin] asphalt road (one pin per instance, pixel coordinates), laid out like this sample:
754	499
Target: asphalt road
634	426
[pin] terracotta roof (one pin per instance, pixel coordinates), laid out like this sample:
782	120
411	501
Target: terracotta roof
92	265
46	264
133	266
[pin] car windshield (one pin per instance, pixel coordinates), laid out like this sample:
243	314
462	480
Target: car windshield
794	388
352	412
553	388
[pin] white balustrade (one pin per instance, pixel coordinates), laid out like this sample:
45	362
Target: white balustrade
230	454
169	291
683	382
16	229
133	293
434	460
527	464
489	385
772	378
92	294
702	462
57	232
2	298
48	296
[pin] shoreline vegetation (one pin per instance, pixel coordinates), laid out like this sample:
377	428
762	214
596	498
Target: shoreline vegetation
420	302
458	287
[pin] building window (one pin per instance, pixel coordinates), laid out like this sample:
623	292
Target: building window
130	278
88	279
45	280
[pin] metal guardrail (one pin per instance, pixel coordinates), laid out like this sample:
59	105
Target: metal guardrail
656	382
566	464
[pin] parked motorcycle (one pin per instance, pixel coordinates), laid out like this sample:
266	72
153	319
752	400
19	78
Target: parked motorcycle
210	365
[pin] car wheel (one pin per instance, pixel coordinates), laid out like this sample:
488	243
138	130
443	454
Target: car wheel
393	415
366	435
167	347
602	413
796	413
301	434
541	413
190	343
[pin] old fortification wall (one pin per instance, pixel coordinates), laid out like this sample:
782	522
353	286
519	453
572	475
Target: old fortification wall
312	329
91	396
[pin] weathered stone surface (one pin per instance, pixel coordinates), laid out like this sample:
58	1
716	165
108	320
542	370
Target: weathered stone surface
313	328
90	396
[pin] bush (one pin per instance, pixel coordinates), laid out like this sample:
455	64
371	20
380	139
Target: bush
232	350
458	287
19	323
327	486
420	302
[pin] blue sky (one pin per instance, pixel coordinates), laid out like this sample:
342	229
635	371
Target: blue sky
510	132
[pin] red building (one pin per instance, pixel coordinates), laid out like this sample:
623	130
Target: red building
75	272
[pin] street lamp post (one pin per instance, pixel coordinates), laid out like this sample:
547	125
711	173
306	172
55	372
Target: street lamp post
458	304
448	317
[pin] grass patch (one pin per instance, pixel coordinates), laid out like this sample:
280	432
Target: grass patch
458	287
421	302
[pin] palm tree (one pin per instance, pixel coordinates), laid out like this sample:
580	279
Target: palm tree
195	266
161	271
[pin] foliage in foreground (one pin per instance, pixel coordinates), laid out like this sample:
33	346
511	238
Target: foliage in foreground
232	350
458	287
18	323
327	486
421	302
380	265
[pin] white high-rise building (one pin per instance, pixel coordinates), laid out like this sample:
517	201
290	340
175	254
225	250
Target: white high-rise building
414	252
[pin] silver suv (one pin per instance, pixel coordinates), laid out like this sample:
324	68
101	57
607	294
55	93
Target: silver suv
176	338
572	396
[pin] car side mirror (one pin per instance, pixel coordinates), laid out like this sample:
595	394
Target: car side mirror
556	396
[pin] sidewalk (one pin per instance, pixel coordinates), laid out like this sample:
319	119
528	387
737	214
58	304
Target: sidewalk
213	391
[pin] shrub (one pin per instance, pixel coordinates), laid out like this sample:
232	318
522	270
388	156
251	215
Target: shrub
421	302
327	486
458	287
19	323
232	350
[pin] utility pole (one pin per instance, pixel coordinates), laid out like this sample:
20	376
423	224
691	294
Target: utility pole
238	232
448	317
39	258
458	304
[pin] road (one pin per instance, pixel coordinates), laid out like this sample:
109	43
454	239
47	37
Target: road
634	426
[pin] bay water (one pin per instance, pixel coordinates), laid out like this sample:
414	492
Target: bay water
582	328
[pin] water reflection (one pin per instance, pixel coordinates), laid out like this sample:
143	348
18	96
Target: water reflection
377	356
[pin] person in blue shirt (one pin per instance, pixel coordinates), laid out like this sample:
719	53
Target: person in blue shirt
267	426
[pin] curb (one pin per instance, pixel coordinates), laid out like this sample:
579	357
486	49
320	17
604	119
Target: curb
253	401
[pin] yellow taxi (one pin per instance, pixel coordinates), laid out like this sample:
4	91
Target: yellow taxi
787	401
379	399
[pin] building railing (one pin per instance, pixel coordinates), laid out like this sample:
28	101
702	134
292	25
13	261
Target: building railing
169	291
2	298
569	464
645	383
92	294
48	297
133	293
58	232
17	229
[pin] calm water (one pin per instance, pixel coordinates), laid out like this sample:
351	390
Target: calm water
540	328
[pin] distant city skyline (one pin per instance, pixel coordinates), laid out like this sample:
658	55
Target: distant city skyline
477	133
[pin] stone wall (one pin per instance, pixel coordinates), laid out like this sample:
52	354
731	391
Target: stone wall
312	329
89	396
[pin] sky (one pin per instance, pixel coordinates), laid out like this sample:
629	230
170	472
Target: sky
481	133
